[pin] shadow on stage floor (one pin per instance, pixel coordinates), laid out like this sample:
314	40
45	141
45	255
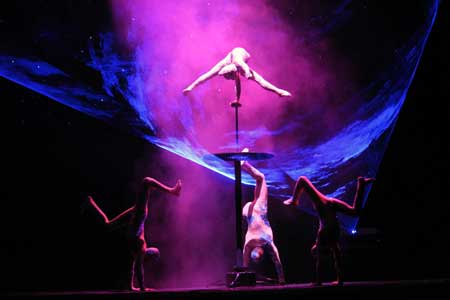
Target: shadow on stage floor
415	289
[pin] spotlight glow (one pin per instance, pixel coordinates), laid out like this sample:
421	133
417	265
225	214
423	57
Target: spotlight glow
325	133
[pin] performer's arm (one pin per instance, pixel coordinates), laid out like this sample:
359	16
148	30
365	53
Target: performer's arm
241	63
277	262
246	256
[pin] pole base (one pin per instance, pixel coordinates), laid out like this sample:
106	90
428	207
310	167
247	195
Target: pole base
240	278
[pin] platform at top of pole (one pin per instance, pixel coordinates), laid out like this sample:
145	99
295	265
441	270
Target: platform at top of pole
235	104
231	156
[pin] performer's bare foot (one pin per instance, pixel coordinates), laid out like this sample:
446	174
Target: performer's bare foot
187	90
283	93
337	283
365	179
177	188
245	150
290	202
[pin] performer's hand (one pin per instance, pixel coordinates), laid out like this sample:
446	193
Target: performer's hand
245	150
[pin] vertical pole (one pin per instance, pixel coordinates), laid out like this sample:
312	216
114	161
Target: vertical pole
237	176
238	207
236	107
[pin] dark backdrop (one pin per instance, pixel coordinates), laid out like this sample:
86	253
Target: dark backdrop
55	156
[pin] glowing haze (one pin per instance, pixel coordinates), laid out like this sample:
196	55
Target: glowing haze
334	128
331	130
176	42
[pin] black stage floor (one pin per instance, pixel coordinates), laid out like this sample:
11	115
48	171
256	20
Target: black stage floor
415	289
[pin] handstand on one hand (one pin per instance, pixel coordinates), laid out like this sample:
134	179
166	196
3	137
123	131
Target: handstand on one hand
329	228
135	230
259	236
236	63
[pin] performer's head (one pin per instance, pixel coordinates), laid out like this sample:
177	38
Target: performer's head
257	254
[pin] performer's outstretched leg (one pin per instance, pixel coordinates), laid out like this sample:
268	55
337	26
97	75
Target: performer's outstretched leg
98	210
354	209
260	191
304	184
106	220
152	183
268	86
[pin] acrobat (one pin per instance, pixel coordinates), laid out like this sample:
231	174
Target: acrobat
327	239
135	230
259	236
232	65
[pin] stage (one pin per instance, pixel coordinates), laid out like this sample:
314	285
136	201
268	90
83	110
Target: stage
93	108
403	289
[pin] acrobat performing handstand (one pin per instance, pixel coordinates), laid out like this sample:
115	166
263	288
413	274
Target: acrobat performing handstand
135	230
235	63
327	239
259	236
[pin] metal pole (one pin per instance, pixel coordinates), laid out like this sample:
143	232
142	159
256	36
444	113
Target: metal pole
237	176
238	206
236	107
